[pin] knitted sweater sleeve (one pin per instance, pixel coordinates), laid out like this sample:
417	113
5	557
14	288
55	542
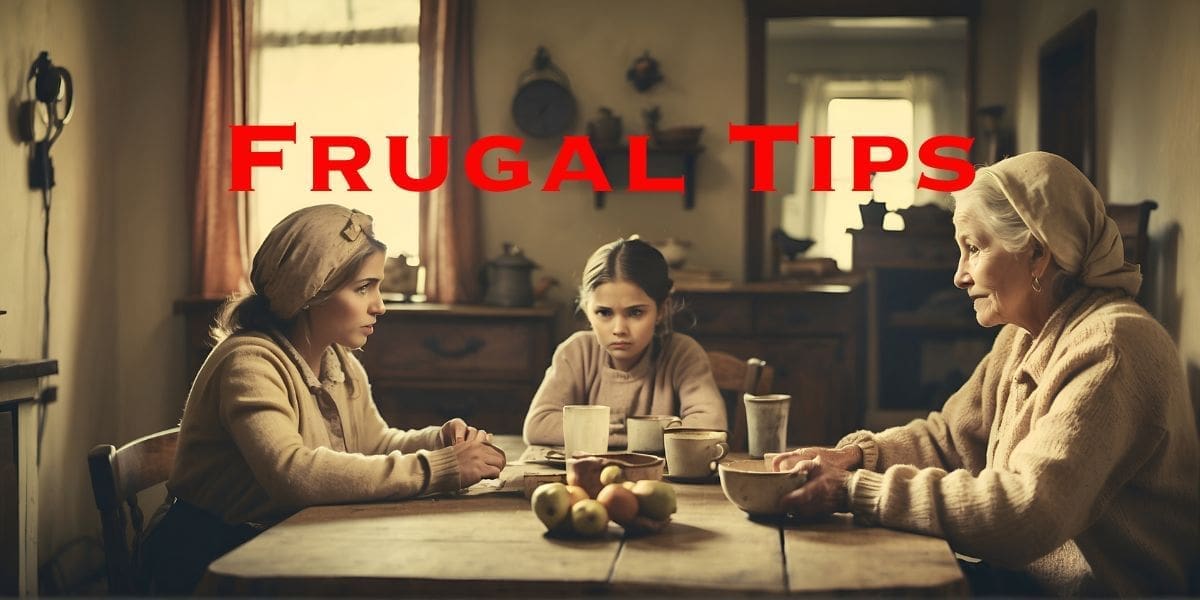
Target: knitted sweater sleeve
952	438
375	436
1096	432
254	408
562	385
700	402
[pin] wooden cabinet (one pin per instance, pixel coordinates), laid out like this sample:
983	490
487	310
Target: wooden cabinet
809	333
429	363
21	385
922	338
432	362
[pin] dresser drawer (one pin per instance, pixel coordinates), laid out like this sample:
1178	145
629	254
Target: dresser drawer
810	313
714	314
449	350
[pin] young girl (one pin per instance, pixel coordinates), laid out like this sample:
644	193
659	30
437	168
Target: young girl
630	360
280	416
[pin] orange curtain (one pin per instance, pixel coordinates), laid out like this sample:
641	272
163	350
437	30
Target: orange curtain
219	55
450	231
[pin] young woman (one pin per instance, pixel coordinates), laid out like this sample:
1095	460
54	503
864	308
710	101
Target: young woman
280	416
630	360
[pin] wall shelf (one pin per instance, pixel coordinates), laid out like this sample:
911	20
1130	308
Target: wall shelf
660	162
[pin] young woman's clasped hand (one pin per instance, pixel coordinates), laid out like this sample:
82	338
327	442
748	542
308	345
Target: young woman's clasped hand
827	470
477	457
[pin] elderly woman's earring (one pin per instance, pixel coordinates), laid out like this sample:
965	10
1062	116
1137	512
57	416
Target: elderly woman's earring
1037	285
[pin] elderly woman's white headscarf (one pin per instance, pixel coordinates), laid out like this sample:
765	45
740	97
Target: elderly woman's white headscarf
1066	214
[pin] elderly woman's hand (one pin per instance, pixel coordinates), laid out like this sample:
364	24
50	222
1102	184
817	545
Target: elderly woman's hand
455	431
823	494
846	458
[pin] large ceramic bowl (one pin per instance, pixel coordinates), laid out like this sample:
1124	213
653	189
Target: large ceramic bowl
583	470
753	487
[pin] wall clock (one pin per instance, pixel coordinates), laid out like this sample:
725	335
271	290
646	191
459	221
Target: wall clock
544	106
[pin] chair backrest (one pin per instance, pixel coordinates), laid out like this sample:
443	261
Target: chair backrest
735	377
118	474
1133	222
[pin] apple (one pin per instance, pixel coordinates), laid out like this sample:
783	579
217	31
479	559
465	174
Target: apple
622	505
656	499
551	503
589	518
611	474
577	494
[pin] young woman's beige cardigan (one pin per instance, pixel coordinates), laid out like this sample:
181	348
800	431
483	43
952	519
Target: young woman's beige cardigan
263	437
1072	456
678	380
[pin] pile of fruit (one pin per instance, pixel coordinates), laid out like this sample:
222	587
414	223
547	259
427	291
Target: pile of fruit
640	507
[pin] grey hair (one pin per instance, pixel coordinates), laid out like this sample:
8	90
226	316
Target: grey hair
997	214
993	209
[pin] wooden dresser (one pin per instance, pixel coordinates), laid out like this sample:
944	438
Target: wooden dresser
810	334
432	362
922	338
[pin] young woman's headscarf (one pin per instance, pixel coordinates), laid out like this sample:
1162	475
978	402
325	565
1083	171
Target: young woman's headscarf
303	251
1066	214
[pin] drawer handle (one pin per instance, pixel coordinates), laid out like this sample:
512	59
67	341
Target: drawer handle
472	346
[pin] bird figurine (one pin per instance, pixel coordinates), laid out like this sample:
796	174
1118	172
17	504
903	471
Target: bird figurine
789	246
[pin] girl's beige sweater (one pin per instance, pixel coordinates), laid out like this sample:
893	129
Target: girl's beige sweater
262	436
676	381
1071	455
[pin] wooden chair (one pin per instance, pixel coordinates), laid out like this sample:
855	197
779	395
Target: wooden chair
118	474
1133	221
736	377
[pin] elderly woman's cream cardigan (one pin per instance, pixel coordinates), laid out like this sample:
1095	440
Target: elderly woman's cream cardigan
262	436
1072	456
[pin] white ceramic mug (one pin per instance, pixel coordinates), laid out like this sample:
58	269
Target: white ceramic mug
694	454
645	433
585	429
766	422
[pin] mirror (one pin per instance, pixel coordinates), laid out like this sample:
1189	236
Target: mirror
837	69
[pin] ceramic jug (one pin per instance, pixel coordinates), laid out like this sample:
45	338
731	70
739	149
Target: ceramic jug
509	278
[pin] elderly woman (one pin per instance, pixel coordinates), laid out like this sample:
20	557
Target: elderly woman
1069	458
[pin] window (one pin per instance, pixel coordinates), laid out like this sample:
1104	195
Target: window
337	67
848	117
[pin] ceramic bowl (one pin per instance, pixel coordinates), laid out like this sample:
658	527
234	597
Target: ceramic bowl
583	470
753	487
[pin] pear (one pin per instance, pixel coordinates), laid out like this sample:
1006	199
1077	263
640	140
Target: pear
656	499
611	474
589	518
551	503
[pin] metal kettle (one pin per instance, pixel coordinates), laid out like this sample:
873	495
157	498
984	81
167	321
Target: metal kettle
509	278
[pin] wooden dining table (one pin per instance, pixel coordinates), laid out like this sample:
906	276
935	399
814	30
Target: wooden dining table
488	542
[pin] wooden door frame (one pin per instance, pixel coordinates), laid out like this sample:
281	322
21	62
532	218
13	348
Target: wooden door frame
1079	35
757	13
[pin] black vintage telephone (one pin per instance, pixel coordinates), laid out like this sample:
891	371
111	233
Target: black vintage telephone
51	86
